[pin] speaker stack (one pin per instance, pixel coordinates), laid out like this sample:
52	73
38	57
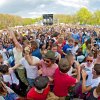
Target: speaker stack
47	19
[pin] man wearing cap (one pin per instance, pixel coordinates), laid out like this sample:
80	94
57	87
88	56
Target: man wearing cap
48	66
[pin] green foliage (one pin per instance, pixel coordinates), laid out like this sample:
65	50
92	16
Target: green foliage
97	17
83	15
7	20
66	18
27	21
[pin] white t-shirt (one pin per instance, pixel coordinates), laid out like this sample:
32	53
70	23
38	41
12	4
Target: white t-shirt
7	79
95	82
90	67
31	71
88	70
70	71
74	49
1	98
89	79
3	53
11	78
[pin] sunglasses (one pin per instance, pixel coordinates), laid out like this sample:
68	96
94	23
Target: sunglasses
47	61
54	49
89	60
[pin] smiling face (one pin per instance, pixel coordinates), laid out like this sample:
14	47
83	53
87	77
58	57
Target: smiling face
48	62
71	42
54	49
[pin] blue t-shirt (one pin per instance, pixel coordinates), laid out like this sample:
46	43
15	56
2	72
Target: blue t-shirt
67	48
37	53
75	36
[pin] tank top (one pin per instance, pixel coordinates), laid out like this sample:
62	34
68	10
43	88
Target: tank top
17	56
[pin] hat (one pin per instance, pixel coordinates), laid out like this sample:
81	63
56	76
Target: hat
50	55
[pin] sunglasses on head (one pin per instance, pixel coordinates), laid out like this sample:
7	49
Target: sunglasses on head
89	60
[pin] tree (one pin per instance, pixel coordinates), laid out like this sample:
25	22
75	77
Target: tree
97	17
83	15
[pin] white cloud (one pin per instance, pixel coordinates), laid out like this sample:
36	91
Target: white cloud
35	14
42	5
2	2
35	8
73	3
39	14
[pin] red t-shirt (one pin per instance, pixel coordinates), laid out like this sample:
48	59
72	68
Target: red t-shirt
62	83
32	94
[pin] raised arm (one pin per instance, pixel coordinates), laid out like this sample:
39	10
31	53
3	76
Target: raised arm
78	70
84	87
17	44
30	60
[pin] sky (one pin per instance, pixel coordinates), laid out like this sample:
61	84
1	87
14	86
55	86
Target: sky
35	8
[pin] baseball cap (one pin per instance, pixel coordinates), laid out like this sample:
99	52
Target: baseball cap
50	55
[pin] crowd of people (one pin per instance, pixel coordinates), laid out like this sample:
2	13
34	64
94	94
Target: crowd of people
59	62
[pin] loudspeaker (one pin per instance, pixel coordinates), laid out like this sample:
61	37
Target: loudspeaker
48	19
